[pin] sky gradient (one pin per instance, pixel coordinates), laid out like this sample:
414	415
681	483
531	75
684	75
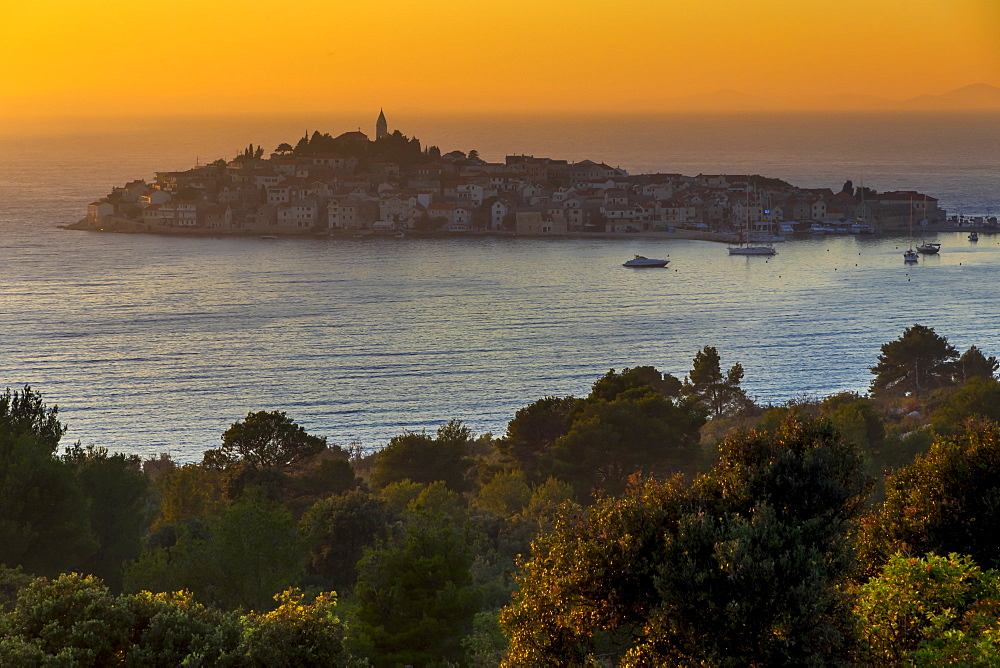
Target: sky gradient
111	57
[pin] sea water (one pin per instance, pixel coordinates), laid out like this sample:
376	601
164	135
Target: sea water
153	344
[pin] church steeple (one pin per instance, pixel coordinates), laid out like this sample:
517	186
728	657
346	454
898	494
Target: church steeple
381	126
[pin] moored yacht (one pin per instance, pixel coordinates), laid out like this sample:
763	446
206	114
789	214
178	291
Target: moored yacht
752	250
910	255
640	262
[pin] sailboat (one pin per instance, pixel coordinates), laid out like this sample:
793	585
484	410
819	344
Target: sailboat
745	247
925	247
910	255
861	226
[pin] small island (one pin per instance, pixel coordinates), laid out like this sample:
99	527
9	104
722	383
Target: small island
352	185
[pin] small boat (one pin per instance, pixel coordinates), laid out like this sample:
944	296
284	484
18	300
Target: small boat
748	243
752	250
925	246
269	237
640	262
910	255
973	236
861	224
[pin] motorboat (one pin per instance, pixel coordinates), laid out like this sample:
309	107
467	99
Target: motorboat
640	262
973	236
861	228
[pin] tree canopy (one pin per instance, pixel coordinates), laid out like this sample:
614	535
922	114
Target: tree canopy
931	611
75	620
744	567
421	458
720	393
337	529
975	364
44	519
24	413
240	558
632	420
265	440
918	361
415	591
941	502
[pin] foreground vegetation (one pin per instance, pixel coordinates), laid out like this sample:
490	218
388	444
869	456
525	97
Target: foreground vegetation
655	521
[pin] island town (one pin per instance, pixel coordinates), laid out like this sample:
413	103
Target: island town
356	186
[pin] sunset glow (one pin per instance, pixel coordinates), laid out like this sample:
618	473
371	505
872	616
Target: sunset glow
65	57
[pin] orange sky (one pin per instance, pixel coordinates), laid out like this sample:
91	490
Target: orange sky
111	57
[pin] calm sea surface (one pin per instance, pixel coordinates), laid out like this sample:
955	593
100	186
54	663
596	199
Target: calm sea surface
153	344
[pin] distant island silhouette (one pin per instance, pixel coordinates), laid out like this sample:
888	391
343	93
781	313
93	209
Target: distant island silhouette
349	184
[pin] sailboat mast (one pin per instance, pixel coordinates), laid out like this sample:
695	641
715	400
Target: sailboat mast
911	223
864	215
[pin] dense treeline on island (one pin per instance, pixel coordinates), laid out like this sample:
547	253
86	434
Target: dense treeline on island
656	521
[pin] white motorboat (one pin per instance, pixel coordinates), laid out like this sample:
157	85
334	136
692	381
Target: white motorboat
641	262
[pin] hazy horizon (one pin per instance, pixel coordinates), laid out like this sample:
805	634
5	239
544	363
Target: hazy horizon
335	121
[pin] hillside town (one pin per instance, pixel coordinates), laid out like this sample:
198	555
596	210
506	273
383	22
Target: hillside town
351	184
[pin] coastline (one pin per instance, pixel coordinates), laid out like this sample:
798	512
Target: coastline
113	225
125	226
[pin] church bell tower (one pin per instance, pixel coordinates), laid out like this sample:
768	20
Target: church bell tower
381	127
